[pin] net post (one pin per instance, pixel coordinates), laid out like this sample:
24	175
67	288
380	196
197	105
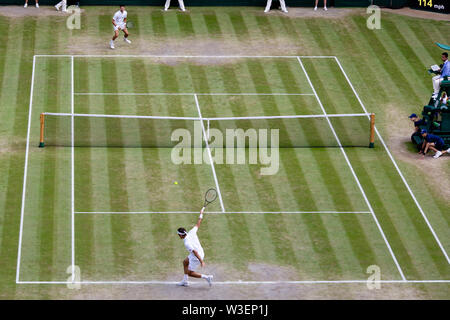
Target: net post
41	139
372	130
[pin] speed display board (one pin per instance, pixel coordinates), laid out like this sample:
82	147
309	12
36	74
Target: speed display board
441	6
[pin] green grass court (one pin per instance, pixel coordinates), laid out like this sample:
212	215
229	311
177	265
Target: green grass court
326	216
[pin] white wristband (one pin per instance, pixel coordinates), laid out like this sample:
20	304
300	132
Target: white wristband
201	216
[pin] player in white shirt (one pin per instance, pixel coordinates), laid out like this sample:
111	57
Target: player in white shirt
120	23
196	253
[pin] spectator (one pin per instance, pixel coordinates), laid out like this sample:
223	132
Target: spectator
444	100
417	122
443	72
26	4
62	4
180	3
433	142
282	5
324	5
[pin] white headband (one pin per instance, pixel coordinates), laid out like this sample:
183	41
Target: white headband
181	233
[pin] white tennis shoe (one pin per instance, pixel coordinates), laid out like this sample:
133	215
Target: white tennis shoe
209	279
111	44
126	40
25	5
183	284
437	155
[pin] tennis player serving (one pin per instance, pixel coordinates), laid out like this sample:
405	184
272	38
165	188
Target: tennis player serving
192	244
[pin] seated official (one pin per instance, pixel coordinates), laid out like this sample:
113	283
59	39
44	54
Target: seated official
417	122
443	72
433	142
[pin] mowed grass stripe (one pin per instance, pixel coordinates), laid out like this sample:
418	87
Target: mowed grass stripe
368	77
8	96
4	24
438	32
132	133
142	25
374	77
158	25
384	56
235	241
142	226
49	180
322	159
331	109
289	28
185	25
163	226
264	246
409	59
212	24
100	261
239	26
408	205
436	205
118	194
214	226
13	164
285	251
399	187
84	186
360	242
422	33
416	42
53	39
140	235
420	243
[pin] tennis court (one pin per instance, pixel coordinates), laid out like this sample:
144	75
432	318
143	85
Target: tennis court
110	181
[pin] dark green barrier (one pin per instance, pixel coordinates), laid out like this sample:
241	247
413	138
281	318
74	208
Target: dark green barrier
255	3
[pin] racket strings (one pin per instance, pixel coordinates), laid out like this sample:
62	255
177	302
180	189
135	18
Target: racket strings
210	195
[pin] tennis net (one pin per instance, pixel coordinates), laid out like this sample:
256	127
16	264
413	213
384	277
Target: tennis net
295	131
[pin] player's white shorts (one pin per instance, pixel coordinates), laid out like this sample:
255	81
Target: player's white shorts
194	263
121	26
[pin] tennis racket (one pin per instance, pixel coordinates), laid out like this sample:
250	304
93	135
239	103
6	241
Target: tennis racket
210	196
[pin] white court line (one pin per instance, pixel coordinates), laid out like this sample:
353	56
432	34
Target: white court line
396	167
219	212
175	56
297	116
186	94
22	211
94	115
209	153
281	282
73	168
353	173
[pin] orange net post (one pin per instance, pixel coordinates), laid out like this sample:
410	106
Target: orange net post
372	130
41	140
